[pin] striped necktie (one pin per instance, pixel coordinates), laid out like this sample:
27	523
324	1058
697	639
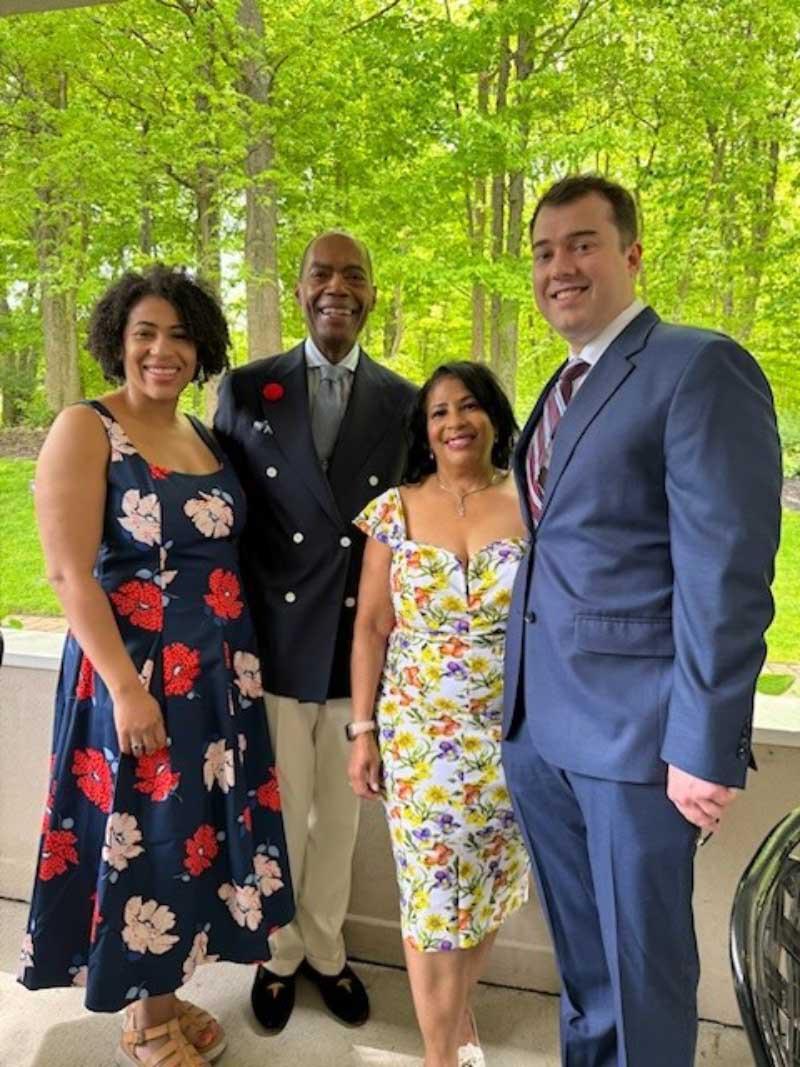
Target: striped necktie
541	446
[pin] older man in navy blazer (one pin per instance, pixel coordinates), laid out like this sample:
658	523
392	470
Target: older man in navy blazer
315	434
650	474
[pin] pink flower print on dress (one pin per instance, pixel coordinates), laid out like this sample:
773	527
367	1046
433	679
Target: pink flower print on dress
211	513
142	517
122	840
117	439
25	955
198	954
248	675
147	926
218	766
268	873
244	904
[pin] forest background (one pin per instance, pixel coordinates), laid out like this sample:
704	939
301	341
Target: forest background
222	134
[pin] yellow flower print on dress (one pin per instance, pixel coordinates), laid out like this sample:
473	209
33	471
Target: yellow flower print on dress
461	862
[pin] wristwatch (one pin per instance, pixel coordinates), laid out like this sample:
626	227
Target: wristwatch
353	729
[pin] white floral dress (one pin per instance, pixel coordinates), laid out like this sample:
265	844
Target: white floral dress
149	866
461	861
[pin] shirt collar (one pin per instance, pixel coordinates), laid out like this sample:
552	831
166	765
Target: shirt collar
314	358
591	352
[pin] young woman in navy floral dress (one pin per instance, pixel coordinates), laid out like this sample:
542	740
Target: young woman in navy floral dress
162	844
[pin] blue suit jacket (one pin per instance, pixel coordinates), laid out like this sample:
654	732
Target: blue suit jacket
636	630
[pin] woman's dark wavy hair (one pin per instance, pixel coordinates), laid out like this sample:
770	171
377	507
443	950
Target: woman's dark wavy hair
195	303
487	390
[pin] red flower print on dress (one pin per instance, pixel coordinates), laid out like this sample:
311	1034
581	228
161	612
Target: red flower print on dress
157	778
97	918
158	473
273	391
140	602
268	795
246	819
51	798
94	777
223	594
181	668
58	850
84	688
201	850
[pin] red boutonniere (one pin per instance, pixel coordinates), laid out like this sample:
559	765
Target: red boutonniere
273	391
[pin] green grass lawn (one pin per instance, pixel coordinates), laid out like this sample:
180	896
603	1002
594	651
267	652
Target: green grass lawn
23	589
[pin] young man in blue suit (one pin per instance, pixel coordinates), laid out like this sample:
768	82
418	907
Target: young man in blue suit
315	434
650	474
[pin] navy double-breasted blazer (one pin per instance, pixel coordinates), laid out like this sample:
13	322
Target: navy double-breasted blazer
636	629
301	555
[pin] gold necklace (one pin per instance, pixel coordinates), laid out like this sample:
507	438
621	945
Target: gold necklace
461	511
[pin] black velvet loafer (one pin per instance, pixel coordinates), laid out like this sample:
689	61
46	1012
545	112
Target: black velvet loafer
272	998
344	994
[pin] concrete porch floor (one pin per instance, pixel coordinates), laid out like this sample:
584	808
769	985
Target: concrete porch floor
518	1029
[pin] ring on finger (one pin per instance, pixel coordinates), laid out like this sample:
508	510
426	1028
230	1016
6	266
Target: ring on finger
136	748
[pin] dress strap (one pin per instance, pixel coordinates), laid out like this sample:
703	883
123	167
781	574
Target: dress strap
208	438
98	406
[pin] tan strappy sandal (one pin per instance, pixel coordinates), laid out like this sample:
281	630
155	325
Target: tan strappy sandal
175	1052
199	1027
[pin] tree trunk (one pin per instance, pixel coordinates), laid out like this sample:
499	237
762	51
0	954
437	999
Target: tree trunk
261	224
478	241
508	354
498	208
17	372
393	326
763	216
60	344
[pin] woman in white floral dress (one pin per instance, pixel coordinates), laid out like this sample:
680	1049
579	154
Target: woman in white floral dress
428	662
162	845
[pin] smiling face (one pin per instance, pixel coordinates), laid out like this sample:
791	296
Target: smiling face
583	273
460	433
159	358
335	293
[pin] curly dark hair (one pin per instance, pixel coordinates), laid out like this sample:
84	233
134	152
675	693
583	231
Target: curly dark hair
488	392
195	303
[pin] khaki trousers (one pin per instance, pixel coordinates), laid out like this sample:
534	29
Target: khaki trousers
320	814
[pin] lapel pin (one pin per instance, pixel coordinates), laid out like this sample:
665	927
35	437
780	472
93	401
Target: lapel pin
262	427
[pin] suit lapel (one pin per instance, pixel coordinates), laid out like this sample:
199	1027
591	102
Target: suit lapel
523	444
605	378
363	425
290	422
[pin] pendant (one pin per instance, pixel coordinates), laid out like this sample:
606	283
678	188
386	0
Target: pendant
461	511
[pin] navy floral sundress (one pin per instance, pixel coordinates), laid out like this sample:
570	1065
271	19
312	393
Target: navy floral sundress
150	866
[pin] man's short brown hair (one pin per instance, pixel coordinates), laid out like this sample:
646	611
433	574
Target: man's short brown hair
576	186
